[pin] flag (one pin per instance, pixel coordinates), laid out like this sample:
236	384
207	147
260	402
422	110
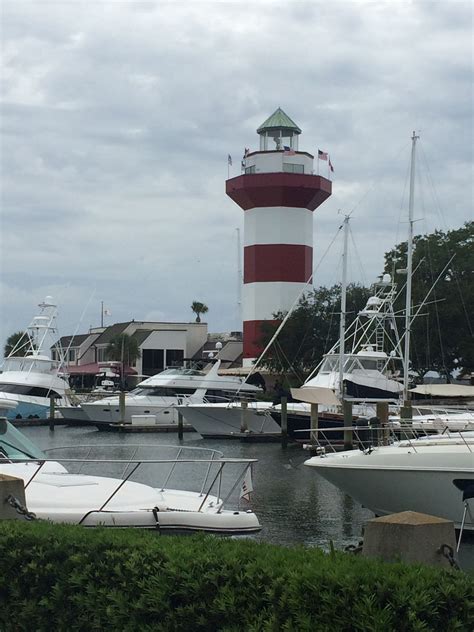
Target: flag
288	151
322	155
107	312
330	165
247	485
246	152
229	159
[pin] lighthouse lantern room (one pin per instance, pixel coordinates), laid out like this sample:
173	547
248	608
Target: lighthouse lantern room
278	191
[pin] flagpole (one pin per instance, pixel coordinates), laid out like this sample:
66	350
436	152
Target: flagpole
101	313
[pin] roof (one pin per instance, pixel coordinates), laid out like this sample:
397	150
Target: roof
279	120
110	333
73	341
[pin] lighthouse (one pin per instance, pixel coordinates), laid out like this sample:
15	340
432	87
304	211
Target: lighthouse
278	192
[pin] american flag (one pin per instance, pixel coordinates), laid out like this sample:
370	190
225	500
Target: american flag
322	155
330	165
229	159
288	151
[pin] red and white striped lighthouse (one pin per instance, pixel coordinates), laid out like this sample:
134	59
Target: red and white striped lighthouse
278	192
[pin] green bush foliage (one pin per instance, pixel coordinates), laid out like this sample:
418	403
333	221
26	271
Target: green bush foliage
55	577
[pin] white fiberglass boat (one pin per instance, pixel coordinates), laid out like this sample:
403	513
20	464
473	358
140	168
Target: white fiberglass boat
159	395
29	377
217	420
429	475
57	487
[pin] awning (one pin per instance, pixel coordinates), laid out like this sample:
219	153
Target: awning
444	390
315	395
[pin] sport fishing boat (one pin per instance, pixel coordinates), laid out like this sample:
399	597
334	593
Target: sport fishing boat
180	491
157	396
29	376
432	475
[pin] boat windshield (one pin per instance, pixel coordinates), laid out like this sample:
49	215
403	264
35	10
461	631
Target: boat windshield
181	371
351	363
28	363
14	445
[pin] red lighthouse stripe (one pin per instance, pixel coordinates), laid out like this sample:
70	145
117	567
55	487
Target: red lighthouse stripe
253	346
277	262
278	189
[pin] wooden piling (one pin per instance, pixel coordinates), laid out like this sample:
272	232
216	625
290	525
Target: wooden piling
347	410
51	412
314	424
284	422
382	414
243	417
122	406
180	425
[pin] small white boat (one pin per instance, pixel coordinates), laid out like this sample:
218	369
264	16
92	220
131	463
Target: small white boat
29	377
428	475
228	419
71	485
158	396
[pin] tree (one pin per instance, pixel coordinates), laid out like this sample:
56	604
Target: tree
199	308
442	336
123	348
17	344
311	330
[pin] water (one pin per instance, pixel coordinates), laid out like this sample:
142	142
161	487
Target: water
293	503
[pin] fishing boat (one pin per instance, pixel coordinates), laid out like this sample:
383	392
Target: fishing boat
166	488
29	376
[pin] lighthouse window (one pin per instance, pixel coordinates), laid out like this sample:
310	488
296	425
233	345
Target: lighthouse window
250	169
290	168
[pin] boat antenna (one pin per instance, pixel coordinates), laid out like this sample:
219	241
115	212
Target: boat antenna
406	359
342	320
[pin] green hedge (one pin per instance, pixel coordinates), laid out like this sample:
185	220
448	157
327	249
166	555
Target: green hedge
55	577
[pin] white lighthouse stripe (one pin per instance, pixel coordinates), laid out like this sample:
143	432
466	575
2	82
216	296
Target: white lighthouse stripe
278	225
261	300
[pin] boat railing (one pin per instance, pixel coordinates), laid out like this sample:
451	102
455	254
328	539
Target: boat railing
369	437
209	474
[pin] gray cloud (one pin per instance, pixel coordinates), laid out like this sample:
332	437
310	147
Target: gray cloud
118	117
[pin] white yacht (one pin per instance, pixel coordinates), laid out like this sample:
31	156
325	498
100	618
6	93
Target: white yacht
29	377
57	487
158	396
428	475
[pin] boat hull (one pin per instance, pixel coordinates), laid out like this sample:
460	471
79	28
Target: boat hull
221	420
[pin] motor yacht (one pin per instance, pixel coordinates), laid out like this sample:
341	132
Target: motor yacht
182	490
429	475
158	396
29	376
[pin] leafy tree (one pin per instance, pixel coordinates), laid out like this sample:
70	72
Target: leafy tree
311	330
199	308
442	335
17	344
123	348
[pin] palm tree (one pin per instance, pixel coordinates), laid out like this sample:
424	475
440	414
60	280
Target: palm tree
18	344
199	308
124	349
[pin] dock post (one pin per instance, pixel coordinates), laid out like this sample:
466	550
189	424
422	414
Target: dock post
382	414
180	425
347	409
284	422
51	412
314	424
12	488
122	406
243	418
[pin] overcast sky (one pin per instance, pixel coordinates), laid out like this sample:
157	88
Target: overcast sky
117	120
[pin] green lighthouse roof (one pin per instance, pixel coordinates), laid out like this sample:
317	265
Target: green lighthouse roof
279	120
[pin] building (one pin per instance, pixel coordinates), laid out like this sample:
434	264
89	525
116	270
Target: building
278	190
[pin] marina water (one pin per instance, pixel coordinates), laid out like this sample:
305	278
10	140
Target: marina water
295	506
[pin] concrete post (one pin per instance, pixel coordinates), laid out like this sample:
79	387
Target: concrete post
410	537
10	485
284	422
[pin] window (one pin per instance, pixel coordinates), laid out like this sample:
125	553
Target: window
71	356
174	357
100	354
291	168
152	361
250	169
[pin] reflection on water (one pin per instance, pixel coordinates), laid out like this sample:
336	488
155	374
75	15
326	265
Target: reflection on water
293	503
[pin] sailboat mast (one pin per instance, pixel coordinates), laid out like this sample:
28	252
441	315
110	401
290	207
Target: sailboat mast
342	321
406	358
